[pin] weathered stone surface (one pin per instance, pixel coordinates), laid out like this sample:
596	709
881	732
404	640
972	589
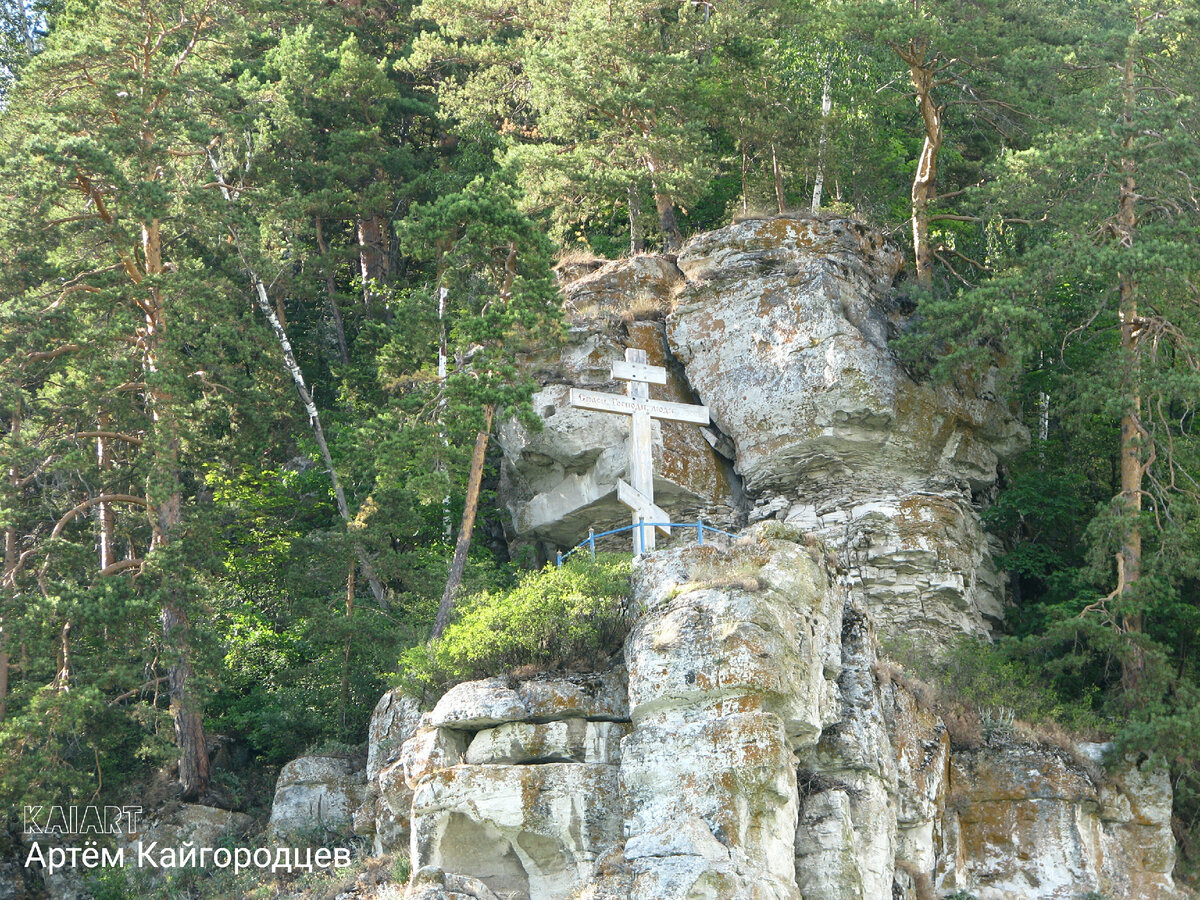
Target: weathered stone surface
202	826
712	807
431	883
1025	822
640	284
426	752
732	664
475	705
921	748
318	792
530	832
920	562
571	740
783	333
392	807
396	718
13	882
771	757
769	753
846	837
751	627
394	721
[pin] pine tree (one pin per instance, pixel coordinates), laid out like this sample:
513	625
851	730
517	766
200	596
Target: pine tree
970	67
104	147
496	269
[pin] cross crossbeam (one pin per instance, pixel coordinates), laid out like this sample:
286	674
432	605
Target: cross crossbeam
638	494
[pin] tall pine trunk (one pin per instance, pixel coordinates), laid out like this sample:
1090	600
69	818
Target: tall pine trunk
331	293
924	186
372	252
350	587
636	242
1133	434
664	203
10	558
164	503
463	545
104	511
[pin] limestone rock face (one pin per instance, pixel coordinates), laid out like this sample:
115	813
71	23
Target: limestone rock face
395	719
1023	822
780	326
762	751
528	831
779	334
320	791
846	835
751	628
754	746
570	740
783	331
561	480
728	673
482	704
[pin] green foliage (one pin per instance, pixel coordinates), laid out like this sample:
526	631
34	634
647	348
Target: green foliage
1002	677
570	616
401	869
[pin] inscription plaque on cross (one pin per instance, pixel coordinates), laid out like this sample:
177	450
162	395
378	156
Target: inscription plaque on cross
638	494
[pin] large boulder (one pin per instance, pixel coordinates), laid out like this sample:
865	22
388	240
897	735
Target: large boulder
783	332
395	719
529	832
184	823
318	792
756	625
474	705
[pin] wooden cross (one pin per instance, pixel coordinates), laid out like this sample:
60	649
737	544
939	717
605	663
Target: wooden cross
638	495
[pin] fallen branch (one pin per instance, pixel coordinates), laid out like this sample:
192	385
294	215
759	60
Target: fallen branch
53	354
155	682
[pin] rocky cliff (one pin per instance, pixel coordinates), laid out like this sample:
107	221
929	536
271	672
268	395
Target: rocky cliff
753	745
780	326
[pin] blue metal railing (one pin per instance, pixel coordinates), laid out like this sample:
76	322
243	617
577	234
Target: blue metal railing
590	543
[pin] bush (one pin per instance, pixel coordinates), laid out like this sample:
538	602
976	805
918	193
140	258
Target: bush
568	617
993	685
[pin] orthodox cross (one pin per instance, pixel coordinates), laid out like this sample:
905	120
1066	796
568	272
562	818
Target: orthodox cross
638	495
